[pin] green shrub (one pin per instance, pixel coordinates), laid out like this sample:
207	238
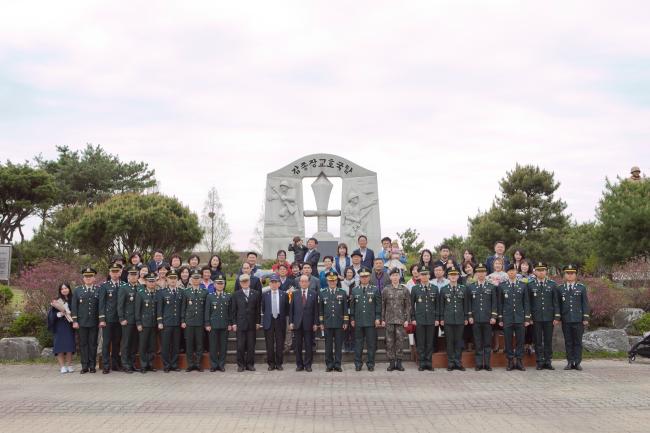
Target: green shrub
6	295
27	325
45	337
641	325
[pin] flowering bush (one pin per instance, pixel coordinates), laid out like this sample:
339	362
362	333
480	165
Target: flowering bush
640	298
604	301
40	284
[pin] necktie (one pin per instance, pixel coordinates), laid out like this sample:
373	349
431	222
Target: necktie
274	299
304	297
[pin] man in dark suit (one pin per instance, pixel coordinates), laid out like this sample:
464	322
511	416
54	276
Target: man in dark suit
367	255
157	262
246	316
312	256
285	280
303	318
254	282
275	308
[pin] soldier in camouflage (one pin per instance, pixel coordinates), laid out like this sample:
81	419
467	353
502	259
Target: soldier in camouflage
395	314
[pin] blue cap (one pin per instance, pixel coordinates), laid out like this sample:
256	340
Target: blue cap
274	277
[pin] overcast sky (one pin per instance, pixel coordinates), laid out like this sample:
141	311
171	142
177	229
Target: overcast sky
433	96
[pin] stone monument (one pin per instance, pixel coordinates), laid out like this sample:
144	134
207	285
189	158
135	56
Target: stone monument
285	215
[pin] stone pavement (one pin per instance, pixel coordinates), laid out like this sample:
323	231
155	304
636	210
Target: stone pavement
608	396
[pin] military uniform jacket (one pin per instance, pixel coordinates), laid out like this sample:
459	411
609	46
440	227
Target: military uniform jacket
453	305
482	300
168	306
193	307
513	303
333	308
218	312
395	304
424	304
543	300
108	296
365	305
145	308
126	302
85	306
573	302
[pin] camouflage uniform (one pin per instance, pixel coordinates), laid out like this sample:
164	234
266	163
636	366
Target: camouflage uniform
395	310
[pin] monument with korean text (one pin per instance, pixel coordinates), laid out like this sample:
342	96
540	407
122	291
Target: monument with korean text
285	214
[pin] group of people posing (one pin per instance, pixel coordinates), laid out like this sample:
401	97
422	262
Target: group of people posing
351	297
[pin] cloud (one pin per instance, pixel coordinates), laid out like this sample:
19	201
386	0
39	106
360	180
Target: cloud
445	96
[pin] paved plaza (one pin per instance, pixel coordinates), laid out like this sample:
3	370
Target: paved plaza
608	396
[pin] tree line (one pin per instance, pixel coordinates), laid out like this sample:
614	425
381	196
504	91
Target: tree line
92	206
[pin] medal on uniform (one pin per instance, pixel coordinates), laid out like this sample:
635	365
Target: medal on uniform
189	302
563	298
81	301
505	296
110	294
474	296
146	304
534	293
168	301
369	299
131	298
420	299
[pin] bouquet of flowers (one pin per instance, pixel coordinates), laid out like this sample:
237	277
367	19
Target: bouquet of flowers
63	308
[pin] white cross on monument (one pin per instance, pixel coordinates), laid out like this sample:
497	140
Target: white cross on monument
322	188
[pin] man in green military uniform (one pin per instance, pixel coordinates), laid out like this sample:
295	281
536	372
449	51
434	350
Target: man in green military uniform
333	312
85	318
574	309
395	314
168	309
514	316
544	310
126	315
425	298
482	313
145	321
218	321
109	321
453	316
365	315
193	321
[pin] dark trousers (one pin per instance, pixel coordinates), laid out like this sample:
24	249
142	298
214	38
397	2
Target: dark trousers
170	337
147	346
424	337
88	346
218	347
194	345
246	347
333	347
543	332
454	340
128	345
516	330
369	335
274	338
111	337
573	341
304	339
483	343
